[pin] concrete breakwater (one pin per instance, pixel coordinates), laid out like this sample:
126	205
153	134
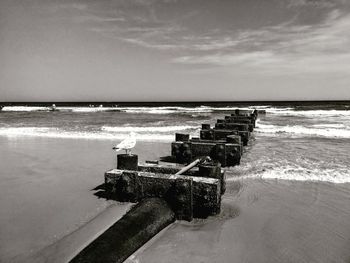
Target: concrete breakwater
168	189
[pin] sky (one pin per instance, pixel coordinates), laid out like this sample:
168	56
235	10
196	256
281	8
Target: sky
174	50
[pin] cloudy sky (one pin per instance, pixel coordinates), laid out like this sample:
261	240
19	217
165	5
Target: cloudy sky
137	50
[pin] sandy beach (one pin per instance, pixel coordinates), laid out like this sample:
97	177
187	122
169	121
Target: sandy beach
263	221
47	195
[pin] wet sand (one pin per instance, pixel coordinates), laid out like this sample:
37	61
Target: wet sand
49	211
48	206
263	221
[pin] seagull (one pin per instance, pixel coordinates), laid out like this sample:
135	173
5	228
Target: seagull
127	144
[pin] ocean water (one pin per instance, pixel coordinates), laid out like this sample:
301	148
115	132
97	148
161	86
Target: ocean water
292	141
288	201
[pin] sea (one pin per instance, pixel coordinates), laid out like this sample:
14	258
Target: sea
293	141
51	161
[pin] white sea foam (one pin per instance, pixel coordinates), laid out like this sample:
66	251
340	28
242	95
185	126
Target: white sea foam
58	133
154	129
25	108
330	125
303	174
292	173
301	130
308	113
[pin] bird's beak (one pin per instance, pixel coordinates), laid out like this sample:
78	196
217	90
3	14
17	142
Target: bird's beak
114	148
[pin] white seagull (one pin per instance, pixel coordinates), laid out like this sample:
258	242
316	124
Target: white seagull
127	144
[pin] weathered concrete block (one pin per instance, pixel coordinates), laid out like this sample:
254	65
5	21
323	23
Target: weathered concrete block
213	171
165	186
244	134
181	137
235	139
220	153
205	126
216	134
181	198
242	112
207	134
249	122
206	197
130	187
233	126
251	116
227	154
239	117
207	171
182	151
127	161
230	139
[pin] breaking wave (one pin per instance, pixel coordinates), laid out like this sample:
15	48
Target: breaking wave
25	108
93	135
323	130
148	129
308	113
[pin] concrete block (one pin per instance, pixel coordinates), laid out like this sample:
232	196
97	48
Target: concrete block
165	186
181	151
206	197
244	134
216	134
247	121
233	126
181	198
205	126
227	154
181	137
127	161
207	134
220	153
213	171
235	139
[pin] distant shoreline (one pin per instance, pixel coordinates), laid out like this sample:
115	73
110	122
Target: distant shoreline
174	103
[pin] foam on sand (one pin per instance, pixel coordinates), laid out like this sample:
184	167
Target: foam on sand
303	174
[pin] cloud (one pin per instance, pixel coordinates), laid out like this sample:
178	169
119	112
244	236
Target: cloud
316	3
254	58
292	46
287	48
